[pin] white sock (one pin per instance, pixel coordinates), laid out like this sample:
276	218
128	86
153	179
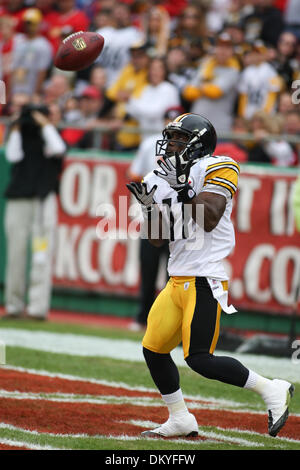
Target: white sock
175	403
257	383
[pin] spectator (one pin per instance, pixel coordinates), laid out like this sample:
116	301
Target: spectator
236	32
278	152
119	37
98	78
58	89
292	17
131	81
71	111
32	57
159	95
174	7
264	23
285	103
94	75
292	123
259	85
15	9
214	90
50	15
237	11
9	40
196	52
284	62
191	26
17	101
236	149
102	19
69	20
292	127
34	148
157	28
217	12
180	72
89	105
237	35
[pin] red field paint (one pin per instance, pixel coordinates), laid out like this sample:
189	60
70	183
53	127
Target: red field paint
106	419
22	381
6	447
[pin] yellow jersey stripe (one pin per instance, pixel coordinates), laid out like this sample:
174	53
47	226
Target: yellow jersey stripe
224	180
219	183
228	174
233	164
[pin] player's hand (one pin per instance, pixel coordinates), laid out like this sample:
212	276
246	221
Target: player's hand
177	176
140	192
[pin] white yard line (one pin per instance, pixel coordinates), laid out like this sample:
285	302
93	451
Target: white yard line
207	434
92	346
210	438
28	445
113	399
209	400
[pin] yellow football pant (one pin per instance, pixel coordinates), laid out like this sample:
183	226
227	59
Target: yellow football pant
184	311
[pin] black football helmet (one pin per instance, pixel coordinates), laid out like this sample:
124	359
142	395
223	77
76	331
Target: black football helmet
200	138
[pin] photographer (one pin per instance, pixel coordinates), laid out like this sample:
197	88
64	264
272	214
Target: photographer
35	149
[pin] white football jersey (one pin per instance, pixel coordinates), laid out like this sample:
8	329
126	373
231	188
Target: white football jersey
115	54
257	82
194	252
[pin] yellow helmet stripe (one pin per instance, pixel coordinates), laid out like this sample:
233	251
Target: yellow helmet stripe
179	118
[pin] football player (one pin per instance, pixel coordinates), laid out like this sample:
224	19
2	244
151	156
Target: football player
188	309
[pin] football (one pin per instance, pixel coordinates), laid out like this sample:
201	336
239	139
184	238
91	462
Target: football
79	50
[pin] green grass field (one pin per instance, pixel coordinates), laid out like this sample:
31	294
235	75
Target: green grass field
60	400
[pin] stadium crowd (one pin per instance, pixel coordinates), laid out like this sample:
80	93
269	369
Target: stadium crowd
235	61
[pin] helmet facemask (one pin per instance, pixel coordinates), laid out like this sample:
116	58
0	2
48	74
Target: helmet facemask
189	149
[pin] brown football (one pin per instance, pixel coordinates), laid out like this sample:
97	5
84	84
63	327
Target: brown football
79	50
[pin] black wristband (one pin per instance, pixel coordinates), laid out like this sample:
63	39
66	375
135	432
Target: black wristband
186	194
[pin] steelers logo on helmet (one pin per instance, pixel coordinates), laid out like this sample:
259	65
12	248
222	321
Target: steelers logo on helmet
191	136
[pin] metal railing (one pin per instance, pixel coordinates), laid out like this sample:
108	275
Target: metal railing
99	129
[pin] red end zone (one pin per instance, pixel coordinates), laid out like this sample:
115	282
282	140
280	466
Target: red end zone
68	415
